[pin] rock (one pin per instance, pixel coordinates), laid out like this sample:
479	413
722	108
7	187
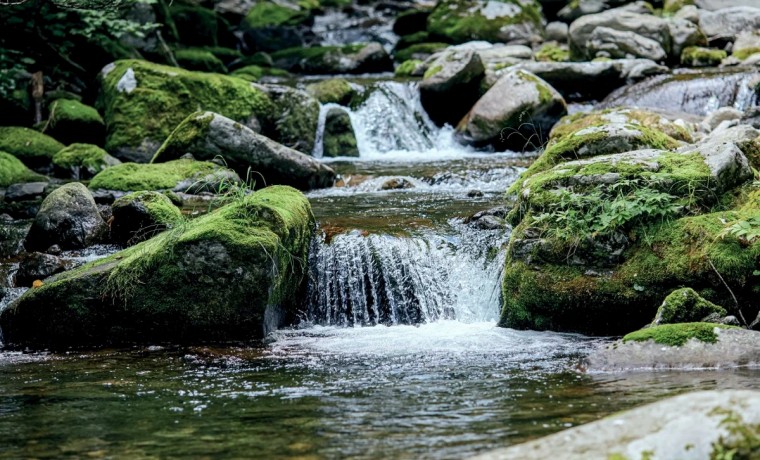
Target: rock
689	13
683	34
745	137
37	266
25	191
333	91
451	85
611	43
12	235
685	306
54	250
13	171
410	22
360	58
270	26
720	115
179	176
619	19
410	68
519	110
698	93
459	21
419	51
140	119
141	215
574	10
195	25
474	194
69	218
747	44
82	161
33	148
557	31
71	121
397	183
688	427
199	59
679	346
296	117
339	139
233	274
695	56
208	135
726	24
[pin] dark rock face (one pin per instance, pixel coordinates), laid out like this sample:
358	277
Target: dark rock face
68	217
451	85
38	266
339	138
141	215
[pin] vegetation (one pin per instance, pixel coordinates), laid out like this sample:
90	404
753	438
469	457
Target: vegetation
334	90
676	335
685	305
33	148
13	171
696	56
158	176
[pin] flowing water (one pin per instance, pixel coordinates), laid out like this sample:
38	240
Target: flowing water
397	356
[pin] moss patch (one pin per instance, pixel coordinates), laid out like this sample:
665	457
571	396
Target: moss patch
744	53
407	68
269	14
676	335
685	305
13	171
255	73
199	59
459	21
336	91
419	51
33	148
158	176
696	56
141	215
87	157
71	121
552	52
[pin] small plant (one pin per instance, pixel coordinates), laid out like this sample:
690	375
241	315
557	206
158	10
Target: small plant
746	230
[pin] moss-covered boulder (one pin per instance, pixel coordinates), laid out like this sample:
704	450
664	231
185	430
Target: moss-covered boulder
208	135
13	171
182	175
233	274
295	119
332	91
747	44
338	139
254	73
82	161
359	58
71	121
505	21
517	112
697	56
69	218
199	59
684	306
272	26
33	148
599	242
410	68
143	102
139	216
451	84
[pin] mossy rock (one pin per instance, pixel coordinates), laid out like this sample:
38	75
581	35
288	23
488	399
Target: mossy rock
71	121
676	335
339	138
233	274
199	59
322	60
226	55
553	52
296	117
254	73
270	14
183	175
33	148
696	56
409	68
672	6
685	305
143	102
420	51
195	25
139	216
13	171
333	91
82	161
460	21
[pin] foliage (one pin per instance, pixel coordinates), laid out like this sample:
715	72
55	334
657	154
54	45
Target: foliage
11	65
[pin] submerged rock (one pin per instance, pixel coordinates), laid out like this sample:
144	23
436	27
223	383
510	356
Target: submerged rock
141	215
233	274
694	426
183	175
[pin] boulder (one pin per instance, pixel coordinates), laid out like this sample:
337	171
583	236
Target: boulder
557	31
451	85
270	26
683	34
82	161
333	91
195	25
69	218
37	266
12	235
13	171
693	426
338	139
747	43
71	121
296	117
725	24
696	56
182	175
143	102
575	9
518	111
722	114
208	135
33	148
499	21
25	191
233	274
199	59
685	306
139	216
611	43
359	58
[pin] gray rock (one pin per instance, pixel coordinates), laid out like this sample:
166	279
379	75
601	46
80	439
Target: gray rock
519	109
557	31
25	191
689	13
684	33
37	266
747	41
12	235
606	42
397	183
69	218
244	151
686	427
726	161
574	10
451	85
370	58
725	24
713	5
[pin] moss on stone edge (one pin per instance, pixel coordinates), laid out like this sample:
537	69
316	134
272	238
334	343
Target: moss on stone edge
13	171
254	73
159	176
199	59
165	96
159	206
676	335
407	68
696	56
141	215
685	305
87	156
33	148
552	52
672	6
334	90
744	53
460	21
69	110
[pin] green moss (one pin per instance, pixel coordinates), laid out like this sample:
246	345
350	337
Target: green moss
255	73
744	53
140	120
335	90
407	68
552	52
432	71
742	440
87	156
672	6
459	21
33	148
138	216
696	56
13	171
71	111
685	305
413	39
222	53
199	59
188	131
676	335
195	25
159	176
418	51
268	14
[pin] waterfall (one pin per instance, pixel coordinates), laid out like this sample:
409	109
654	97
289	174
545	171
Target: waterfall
384	279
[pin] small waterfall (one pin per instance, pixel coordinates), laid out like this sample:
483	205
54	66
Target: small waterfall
384	279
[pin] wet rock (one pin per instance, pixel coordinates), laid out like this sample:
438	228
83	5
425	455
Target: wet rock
611	43
296	116
724	25
25	191
12	235
474	194
37	266
364	58
339	138
397	183
685	306
518	111
690	426
410	22
32	148
71	121
69	218
82	161
207	135
141	215
54	250
557	31
270	26
451	85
